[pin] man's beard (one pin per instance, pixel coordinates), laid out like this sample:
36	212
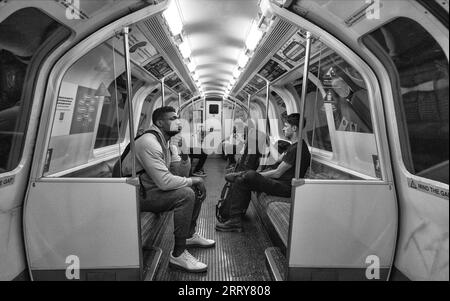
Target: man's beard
172	133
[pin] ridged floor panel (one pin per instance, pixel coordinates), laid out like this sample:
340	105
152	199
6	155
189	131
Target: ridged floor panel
236	256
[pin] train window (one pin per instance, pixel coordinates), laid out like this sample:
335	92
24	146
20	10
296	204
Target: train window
337	111
22	36
90	110
213	109
422	109
145	119
113	113
316	127
280	111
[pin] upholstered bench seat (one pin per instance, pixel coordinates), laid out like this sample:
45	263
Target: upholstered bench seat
279	215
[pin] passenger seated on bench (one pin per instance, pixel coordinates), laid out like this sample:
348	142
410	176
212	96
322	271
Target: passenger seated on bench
276	181
163	191
250	154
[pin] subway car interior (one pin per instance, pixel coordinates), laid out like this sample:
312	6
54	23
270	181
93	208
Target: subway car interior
369	78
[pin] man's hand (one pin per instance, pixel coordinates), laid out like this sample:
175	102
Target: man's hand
199	187
197	181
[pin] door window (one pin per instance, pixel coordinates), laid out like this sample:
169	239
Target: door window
421	68
22	35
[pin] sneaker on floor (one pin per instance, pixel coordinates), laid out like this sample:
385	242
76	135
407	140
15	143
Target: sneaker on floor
231	225
199	173
187	262
199	241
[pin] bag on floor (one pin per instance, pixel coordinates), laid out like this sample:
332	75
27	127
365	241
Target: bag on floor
223	205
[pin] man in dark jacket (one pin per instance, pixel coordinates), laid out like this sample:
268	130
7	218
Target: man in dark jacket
276	181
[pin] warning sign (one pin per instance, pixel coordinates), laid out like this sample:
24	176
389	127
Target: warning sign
427	188
6	181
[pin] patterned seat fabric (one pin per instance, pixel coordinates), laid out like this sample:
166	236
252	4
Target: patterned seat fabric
279	215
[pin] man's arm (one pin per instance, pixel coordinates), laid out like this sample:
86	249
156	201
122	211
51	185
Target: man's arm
278	172
150	155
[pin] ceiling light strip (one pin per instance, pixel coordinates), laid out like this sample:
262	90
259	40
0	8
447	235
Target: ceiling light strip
280	32
162	41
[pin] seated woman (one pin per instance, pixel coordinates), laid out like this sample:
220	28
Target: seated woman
276	181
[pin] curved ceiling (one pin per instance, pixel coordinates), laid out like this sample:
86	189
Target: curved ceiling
216	37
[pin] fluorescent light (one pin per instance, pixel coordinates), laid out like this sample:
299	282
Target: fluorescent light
254	37
243	60
173	19
232	81
196	77
191	67
236	73
185	50
266	10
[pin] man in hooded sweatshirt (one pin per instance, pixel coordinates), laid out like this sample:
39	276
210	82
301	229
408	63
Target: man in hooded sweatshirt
163	191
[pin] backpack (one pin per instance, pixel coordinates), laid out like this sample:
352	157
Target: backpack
247	162
117	172
222	206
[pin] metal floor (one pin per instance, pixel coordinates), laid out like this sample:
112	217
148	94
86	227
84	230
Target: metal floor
236	256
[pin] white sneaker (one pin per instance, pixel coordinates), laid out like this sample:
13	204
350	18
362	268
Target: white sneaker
199	241
187	262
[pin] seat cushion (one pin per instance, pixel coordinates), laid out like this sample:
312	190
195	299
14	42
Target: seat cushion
265	199
151	225
279	215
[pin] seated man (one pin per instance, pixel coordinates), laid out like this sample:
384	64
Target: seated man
276	181
163	191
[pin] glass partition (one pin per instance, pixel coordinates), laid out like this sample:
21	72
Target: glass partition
90	113
339	126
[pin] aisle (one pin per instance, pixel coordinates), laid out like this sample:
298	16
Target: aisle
236	256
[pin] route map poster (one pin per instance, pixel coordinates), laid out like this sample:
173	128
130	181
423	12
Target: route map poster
85	112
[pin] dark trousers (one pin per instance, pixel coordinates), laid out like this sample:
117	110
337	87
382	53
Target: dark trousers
201	159
231	159
249	181
183	202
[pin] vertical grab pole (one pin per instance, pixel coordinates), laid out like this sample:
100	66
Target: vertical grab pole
163	91
267	107
232	128
204	111
248	105
126	31
222	122
302	104
232	117
193	129
179	103
203	135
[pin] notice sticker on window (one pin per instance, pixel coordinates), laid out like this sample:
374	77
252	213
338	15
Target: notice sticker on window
6	181
427	188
